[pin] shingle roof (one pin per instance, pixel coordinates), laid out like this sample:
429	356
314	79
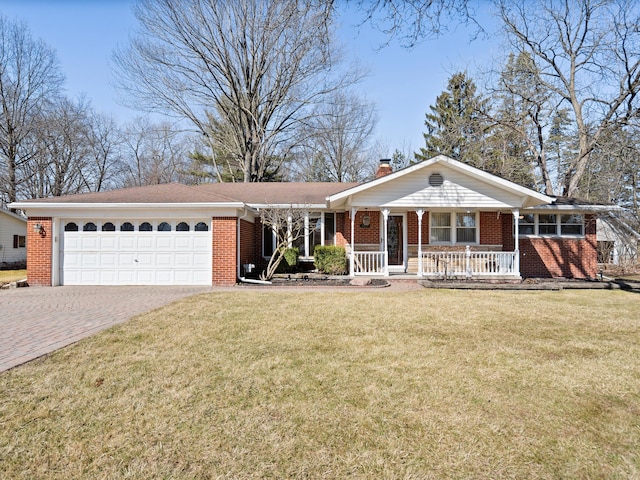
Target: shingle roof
301	193
277	193
164	193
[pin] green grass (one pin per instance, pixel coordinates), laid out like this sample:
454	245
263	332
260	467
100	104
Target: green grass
360	384
8	276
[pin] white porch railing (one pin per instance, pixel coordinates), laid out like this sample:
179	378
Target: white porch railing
370	263
470	263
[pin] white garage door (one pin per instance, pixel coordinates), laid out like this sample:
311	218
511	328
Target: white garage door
131	252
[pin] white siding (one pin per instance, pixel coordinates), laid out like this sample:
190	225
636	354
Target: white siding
458	191
10	226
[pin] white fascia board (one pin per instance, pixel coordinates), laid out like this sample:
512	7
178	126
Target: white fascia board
575	208
308	206
119	210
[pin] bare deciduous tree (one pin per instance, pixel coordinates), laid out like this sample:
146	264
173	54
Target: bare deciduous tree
287	225
586	53
29	78
256	65
336	140
154	154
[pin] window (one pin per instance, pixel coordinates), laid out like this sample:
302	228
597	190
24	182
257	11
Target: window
453	227
201	227
19	241
465	227
551	224
321	228
71	227
571	224
547	224
527	224
182	227
89	227
268	241
164	227
329	228
440	227
108	227
126	227
145	227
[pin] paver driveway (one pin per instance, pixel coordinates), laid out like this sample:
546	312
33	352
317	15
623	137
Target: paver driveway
36	321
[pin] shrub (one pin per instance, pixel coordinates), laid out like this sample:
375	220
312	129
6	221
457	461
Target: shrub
289	262
330	260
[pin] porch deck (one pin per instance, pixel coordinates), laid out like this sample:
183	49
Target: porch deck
465	264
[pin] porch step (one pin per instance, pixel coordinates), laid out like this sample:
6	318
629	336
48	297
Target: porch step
412	265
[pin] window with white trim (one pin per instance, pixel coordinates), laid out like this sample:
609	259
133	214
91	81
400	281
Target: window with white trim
321	228
551	225
453	227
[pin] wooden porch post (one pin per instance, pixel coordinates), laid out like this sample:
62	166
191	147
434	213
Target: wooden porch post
516	217
420	213
385	215
353	246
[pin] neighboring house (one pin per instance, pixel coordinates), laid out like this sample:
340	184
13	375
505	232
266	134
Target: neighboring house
617	240
438	218
13	239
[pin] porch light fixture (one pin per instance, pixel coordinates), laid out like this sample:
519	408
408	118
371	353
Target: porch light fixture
366	219
39	228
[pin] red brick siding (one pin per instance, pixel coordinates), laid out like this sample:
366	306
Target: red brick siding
412	228
343	229
224	250
39	252
247	244
370	234
561	257
551	257
491	227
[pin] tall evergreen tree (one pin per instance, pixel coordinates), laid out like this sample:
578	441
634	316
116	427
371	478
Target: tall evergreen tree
455	126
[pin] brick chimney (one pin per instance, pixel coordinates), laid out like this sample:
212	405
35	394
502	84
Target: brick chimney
384	168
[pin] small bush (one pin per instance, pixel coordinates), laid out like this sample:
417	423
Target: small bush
289	262
330	260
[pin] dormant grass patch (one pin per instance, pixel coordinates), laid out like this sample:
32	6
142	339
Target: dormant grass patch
318	384
8	276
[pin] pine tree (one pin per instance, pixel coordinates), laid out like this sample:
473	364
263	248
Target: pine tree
456	126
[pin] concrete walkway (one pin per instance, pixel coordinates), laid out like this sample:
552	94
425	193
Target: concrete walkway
36	321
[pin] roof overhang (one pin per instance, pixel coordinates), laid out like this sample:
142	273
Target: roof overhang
13	215
54	209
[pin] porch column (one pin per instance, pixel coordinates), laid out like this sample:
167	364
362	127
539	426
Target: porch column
420	213
516	218
353	236
385	215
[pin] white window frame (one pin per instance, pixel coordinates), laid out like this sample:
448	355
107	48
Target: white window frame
306	244
454	229
559	224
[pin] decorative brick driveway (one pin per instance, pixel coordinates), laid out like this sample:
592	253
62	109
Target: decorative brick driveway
36	321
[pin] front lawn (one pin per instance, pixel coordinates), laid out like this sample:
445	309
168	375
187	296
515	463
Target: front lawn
318	384
8	276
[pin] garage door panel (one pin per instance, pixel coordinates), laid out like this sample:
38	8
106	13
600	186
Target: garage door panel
145	242
127	242
108	242
135	258
89	241
108	260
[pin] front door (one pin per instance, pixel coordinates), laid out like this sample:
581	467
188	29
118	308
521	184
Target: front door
395	240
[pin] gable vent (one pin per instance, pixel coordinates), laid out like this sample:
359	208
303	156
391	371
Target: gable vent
436	180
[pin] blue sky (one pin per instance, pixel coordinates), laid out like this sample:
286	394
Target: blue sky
402	83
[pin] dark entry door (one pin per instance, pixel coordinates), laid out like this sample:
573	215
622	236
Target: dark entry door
394	240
